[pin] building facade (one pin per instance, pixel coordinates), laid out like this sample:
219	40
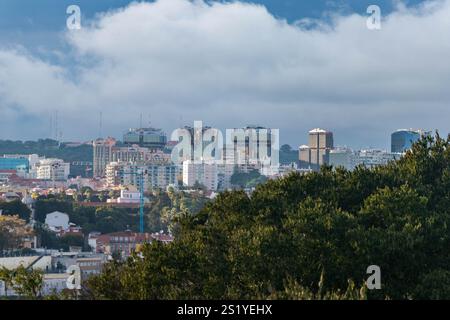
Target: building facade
102	149
316	153
369	158
403	139
155	176
52	169
154	139
20	165
203	173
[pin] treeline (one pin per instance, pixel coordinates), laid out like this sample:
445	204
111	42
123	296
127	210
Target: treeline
48	148
307	237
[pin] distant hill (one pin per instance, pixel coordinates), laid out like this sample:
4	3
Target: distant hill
48	148
287	155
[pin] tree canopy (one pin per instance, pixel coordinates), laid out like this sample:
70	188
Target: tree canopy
307	236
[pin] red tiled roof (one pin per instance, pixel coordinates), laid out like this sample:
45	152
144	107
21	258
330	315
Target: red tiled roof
8	171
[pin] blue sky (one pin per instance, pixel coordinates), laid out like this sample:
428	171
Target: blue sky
38	15
37	23
346	79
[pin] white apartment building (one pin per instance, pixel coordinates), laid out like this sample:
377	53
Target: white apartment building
155	176
374	157
204	173
127	196
370	158
52	169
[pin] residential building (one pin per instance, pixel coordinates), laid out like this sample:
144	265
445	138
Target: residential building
127	196
57	221
203	173
155	176
373	157
52	169
5	175
348	159
102	149
127	242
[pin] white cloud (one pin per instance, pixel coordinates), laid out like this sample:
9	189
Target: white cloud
233	64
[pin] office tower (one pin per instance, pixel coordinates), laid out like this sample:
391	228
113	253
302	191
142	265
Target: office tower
154	139
403	139
103	149
251	146
197	140
316	153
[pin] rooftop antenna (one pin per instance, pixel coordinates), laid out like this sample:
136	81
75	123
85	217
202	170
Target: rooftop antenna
51	125
56	125
101	125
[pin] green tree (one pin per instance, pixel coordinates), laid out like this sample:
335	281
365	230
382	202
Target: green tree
7	276
28	283
15	207
304	237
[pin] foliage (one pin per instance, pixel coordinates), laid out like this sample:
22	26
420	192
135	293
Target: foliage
287	155
12	231
247	179
15	207
307	237
28	283
7	276
49	148
44	206
179	205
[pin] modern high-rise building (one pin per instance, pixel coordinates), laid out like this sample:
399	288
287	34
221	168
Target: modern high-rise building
196	142
403	139
252	146
154	139
316	153
103	149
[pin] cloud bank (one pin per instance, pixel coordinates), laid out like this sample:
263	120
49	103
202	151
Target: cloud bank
232	64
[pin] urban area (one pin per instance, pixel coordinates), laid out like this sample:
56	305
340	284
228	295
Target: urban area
83	204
